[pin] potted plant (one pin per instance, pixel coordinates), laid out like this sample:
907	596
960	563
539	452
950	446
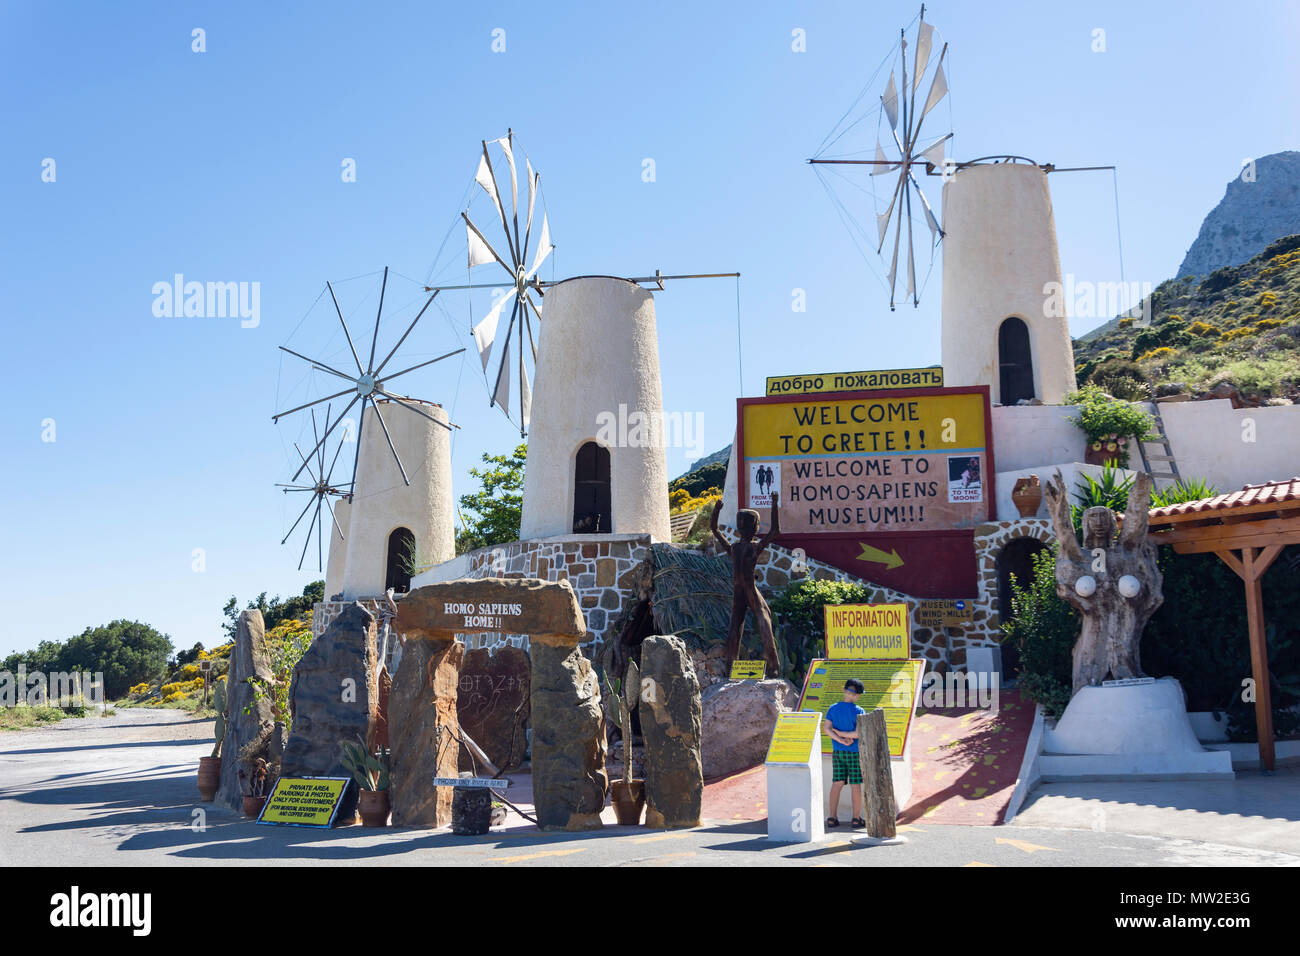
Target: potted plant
1110	425
210	767
257	772
628	794
370	771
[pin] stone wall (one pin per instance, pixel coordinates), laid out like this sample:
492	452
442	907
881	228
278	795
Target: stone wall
990	539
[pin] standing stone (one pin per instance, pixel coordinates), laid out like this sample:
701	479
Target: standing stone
670	724
569	779
738	718
423	731
246	711
381	719
334	698
492	705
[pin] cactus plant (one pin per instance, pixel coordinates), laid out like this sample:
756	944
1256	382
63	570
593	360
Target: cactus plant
370	770
625	696
219	704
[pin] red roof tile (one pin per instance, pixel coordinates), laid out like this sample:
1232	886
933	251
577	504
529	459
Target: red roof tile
1269	492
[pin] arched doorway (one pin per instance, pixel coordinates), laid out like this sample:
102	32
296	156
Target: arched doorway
1016	559
591	508
1015	362
401	559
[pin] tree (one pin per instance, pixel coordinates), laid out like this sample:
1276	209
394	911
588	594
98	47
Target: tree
273	611
125	652
497	508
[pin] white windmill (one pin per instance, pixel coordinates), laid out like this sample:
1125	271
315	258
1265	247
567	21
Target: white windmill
904	111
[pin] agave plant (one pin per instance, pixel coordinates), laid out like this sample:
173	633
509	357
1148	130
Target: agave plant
625	694
1191	489
1111	491
370	770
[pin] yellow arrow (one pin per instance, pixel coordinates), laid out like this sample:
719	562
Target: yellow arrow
890	560
1027	847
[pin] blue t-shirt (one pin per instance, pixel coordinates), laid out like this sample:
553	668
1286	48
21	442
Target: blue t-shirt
844	718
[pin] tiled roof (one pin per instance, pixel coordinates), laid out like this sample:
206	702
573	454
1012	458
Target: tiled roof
1271	492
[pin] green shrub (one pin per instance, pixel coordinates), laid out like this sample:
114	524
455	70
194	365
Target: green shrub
1043	629
803	621
1100	415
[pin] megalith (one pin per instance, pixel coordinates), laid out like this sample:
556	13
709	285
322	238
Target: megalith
334	698
493	705
248	711
670	726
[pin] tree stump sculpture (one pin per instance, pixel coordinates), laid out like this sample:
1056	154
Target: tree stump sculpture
1112	581
745	594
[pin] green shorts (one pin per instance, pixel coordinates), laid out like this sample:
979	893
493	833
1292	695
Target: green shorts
845	766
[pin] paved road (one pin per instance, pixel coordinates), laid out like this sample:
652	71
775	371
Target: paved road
120	791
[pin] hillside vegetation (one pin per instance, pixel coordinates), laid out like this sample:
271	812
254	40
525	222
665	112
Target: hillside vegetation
1239	325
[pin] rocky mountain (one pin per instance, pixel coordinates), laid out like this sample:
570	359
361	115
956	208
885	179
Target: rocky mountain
1261	204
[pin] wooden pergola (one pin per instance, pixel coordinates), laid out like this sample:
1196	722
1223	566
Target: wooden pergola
1247	529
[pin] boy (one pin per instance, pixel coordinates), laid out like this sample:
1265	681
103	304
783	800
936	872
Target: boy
841	725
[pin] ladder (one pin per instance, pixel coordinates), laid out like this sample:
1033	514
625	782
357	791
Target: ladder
1161	439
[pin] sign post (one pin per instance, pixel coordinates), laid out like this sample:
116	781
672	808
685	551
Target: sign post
794	779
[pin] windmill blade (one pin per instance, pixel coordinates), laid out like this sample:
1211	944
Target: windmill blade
417	318
486	178
529	304
378	315
279	415
938	89
935	229
890	102
335	521
883	164
412	368
401	400
480	252
346	335
507	147
485	332
911	266
924	33
330	429
320	365
533	180
525	399
307	540
544	248
295	524
882	220
933	154
501	395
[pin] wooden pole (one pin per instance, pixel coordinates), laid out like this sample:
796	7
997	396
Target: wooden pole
1251	567
877	779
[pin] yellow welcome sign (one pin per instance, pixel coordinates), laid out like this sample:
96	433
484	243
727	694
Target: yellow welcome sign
867	631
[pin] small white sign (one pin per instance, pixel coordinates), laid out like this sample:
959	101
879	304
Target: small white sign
764	478
481	782
1128	682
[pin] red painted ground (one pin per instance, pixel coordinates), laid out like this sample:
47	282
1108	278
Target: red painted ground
964	767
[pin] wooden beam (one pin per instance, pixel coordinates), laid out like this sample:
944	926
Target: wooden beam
1225	531
1239	541
1233	562
1292	505
1254	568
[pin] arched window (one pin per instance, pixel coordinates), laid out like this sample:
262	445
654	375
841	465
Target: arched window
1015	362
591	510
401	560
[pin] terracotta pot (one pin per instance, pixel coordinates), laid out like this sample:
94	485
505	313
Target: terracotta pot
374	807
209	777
1115	454
253	806
628	800
1027	495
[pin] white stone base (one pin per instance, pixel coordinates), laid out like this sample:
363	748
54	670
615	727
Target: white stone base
1132	732
902	773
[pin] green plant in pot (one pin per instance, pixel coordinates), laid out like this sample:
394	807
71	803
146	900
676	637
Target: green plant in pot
628	794
1111	426
210	767
370	771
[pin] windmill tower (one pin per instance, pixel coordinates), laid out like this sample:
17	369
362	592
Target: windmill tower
596	457
393	524
999	261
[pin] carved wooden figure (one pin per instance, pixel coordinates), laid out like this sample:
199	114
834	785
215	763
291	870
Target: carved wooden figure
1112	581
745	594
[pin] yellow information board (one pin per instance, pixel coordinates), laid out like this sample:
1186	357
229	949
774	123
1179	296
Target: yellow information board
867	631
792	738
890	685
748	670
304	801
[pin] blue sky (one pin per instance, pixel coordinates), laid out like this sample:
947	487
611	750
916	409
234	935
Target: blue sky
225	166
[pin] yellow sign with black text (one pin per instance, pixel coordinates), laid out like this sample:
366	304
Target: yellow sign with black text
304	801
748	670
890	685
792	737
867	631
